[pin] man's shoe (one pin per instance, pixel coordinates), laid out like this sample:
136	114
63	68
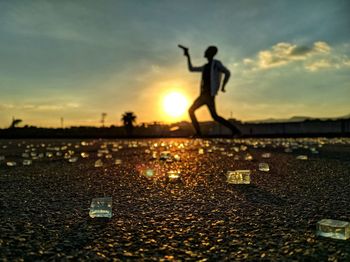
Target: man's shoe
196	136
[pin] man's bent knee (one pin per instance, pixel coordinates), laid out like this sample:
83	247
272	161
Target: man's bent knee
191	111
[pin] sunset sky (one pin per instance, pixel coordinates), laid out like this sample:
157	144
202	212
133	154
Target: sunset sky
77	59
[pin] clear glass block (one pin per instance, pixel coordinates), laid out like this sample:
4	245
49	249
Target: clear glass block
165	155
333	228
101	207
98	163
264	167
244	148
73	159
84	155
238	177
149	172
173	175
266	155
314	150
11	163
302	157
49	154
27	162
248	157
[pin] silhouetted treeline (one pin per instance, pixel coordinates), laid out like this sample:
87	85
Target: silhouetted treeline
340	127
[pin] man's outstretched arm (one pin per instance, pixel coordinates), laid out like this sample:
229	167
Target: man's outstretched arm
190	66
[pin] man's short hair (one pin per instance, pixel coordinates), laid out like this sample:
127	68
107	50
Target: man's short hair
212	49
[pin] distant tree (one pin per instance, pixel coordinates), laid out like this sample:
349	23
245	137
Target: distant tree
15	122
129	119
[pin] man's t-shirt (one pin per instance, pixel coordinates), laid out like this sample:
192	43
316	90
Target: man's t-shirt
206	78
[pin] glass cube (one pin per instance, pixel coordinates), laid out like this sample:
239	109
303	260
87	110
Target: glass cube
266	155
117	161
101	207
73	159
238	177
173	175
177	158
98	163
11	163
333	228
302	157
248	157
84	155
165	155
148	173
264	167
27	162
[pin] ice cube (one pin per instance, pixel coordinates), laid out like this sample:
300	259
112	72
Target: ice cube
84	155
164	155
302	157
264	167
11	163
108	156
148	172
333	228
248	157
98	163
101	207
173	175
266	155
238	177
27	162
73	159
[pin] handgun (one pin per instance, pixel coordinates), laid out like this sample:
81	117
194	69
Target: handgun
184	48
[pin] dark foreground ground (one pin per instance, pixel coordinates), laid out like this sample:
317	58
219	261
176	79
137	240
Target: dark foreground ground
44	207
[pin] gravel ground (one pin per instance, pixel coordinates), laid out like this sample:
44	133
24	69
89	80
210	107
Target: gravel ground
44	207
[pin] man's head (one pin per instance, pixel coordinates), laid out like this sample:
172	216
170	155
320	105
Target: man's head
210	52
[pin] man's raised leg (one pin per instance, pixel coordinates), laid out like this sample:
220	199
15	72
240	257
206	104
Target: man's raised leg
221	120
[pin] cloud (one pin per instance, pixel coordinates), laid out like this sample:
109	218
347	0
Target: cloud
39	107
312	58
327	63
284	53
317	65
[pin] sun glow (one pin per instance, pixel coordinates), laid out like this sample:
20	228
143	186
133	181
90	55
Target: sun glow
175	104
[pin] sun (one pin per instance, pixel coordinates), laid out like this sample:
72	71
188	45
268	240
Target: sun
175	104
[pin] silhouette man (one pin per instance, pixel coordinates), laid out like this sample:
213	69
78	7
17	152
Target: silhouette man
210	85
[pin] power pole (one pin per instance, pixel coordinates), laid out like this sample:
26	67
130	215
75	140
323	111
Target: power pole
103	118
62	122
